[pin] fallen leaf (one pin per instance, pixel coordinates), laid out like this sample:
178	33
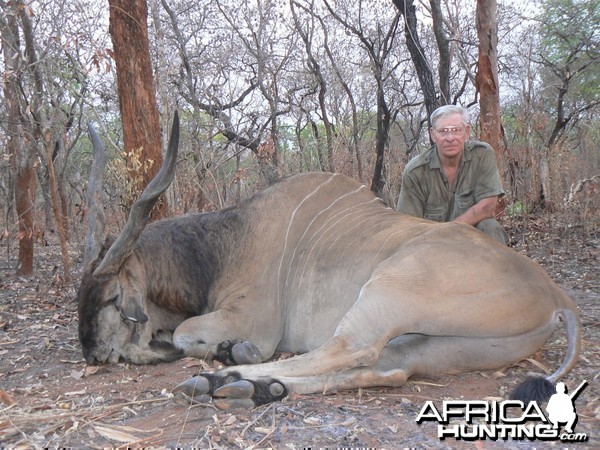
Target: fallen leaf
70	394
77	374
91	370
428	383
539	365
192	362
231	420
6	398
117	433
348	421
312	420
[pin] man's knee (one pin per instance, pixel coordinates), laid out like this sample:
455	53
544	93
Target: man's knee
492	228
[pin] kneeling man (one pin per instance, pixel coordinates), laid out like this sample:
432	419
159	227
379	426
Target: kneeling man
455	180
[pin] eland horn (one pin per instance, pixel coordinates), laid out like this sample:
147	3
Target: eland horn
140	211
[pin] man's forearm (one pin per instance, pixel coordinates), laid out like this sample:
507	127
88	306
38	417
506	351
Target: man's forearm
483	209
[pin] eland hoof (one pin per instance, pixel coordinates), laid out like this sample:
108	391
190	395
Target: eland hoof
192	391
227	404
193	386
185	400
241	389
246	353
248	394
236	395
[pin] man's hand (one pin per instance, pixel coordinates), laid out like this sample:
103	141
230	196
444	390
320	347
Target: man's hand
483	209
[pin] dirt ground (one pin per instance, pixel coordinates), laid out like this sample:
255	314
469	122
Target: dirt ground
50	398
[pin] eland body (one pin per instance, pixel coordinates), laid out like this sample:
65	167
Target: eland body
318	266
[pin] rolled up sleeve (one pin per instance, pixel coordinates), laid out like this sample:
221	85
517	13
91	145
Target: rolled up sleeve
411	199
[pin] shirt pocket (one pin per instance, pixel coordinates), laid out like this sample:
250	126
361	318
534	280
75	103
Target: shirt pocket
436	213
464	201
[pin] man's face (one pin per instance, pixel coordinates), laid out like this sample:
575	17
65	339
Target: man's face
449	135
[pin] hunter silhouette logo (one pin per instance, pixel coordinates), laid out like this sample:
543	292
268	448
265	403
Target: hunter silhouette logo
508	419
561	408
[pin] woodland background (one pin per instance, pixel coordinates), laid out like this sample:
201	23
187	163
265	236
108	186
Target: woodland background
268	88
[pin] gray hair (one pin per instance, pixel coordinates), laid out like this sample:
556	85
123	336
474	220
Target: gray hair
447	110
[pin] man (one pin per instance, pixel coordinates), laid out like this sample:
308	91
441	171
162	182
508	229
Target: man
455	180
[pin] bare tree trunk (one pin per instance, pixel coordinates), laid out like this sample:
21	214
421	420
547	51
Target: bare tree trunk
315	68
383	129
545	198
56	206
139	110
443	49
378	55
355	145
25	184
486	80
161	84
161	70
43	131
60	185
315	132
417	54
19	144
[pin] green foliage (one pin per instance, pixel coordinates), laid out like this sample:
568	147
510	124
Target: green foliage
516	208
570	40
566	24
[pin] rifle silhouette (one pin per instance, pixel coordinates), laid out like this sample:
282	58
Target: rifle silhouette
578	390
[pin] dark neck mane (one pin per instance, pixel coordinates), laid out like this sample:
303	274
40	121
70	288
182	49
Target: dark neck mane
184	256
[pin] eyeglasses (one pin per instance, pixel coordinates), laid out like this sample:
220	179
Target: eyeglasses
450	131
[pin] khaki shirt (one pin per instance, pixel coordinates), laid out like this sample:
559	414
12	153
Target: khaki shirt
425	191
